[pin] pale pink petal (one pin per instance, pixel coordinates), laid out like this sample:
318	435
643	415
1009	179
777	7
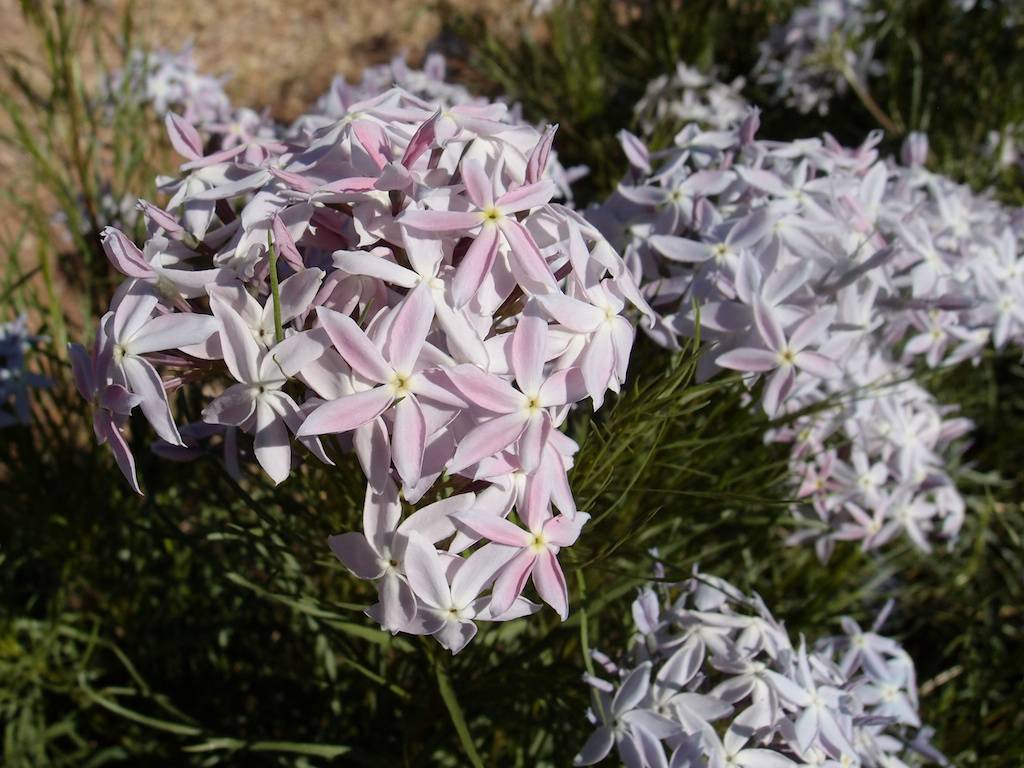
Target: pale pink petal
285	245
598	365
455	635
107	432
817	364
529	350
531	270
356	554
371	138
576	315
184	137
477	571
233	407
132	312
550	583
812	329
511	581
748	359
478	186
362	263
144	381
409	438
436	521
347	412
494	528
425	572
681	248
124	254
485	390
527	197
596	747
533	440
381	513
297	293
768	326
487	439
537	162
357	349
397	602
373	449
777	390
563	531
241	352
293	354
475	265
563	387
172	331
440	221
272	447
421	141
415	314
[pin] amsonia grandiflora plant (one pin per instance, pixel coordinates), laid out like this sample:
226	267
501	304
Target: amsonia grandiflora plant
712	678
828	274
396	282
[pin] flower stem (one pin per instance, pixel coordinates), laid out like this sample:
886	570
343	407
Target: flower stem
275	293
869	102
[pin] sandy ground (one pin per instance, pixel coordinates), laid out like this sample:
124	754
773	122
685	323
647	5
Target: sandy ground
280	54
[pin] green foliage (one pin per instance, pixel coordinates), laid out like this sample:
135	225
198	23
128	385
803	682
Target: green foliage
208	624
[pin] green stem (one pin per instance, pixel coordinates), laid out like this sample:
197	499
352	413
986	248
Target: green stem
869	102
275	293
584	623
444	685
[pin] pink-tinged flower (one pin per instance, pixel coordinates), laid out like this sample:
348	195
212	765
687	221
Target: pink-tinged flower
294	298
517	416
783	356
425	258
112	403
376	555
133	332
536	554
258	403
606	337
393	366
491	221
627	724
447	611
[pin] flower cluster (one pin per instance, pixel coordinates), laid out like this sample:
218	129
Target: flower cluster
820	50
429	85
829	274
712	678
168	80
171	81
688	95
16	380
398	283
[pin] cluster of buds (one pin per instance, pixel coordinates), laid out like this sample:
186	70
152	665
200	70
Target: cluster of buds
688	95
397	283
828	274
821	50
16	380
712	678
